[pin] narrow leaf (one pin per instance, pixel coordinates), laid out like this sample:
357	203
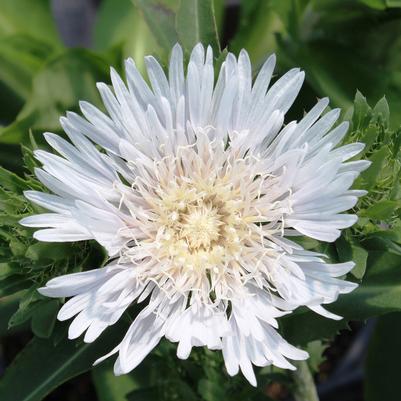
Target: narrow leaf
44	366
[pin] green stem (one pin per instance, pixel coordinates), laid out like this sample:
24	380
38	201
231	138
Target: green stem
304	385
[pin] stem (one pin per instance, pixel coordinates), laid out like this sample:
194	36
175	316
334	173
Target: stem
304	385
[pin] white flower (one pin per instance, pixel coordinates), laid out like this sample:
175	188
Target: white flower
193	188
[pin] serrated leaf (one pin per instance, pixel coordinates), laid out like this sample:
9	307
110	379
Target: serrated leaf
10	206
362	112
368	137
29	161
29	303
12	181
381	112
196	23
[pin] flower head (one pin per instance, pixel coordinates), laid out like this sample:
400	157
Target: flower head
194	189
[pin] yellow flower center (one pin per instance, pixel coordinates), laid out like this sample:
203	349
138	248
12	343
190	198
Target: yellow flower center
201	226
204	221
201	223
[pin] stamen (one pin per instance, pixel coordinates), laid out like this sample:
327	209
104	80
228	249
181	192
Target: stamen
208	234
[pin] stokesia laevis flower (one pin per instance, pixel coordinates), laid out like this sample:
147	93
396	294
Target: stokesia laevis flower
194	189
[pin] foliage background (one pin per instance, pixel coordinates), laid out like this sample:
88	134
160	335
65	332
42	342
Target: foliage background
343	45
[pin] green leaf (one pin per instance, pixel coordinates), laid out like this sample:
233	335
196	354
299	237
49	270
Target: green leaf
259	22
44	318
360	257
315	35
120	24
382	210
397	143
20	58
381	112
30	163
29	303
18	130
382	380
371	175
26	264
196	23
393	234
110	387
315	350
17	247
13	284
377	4
380	291
11	181
368	137
348	250
8	306
306	242
362	112
33	18
63	361
44	251
58	87
304	326
160	17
